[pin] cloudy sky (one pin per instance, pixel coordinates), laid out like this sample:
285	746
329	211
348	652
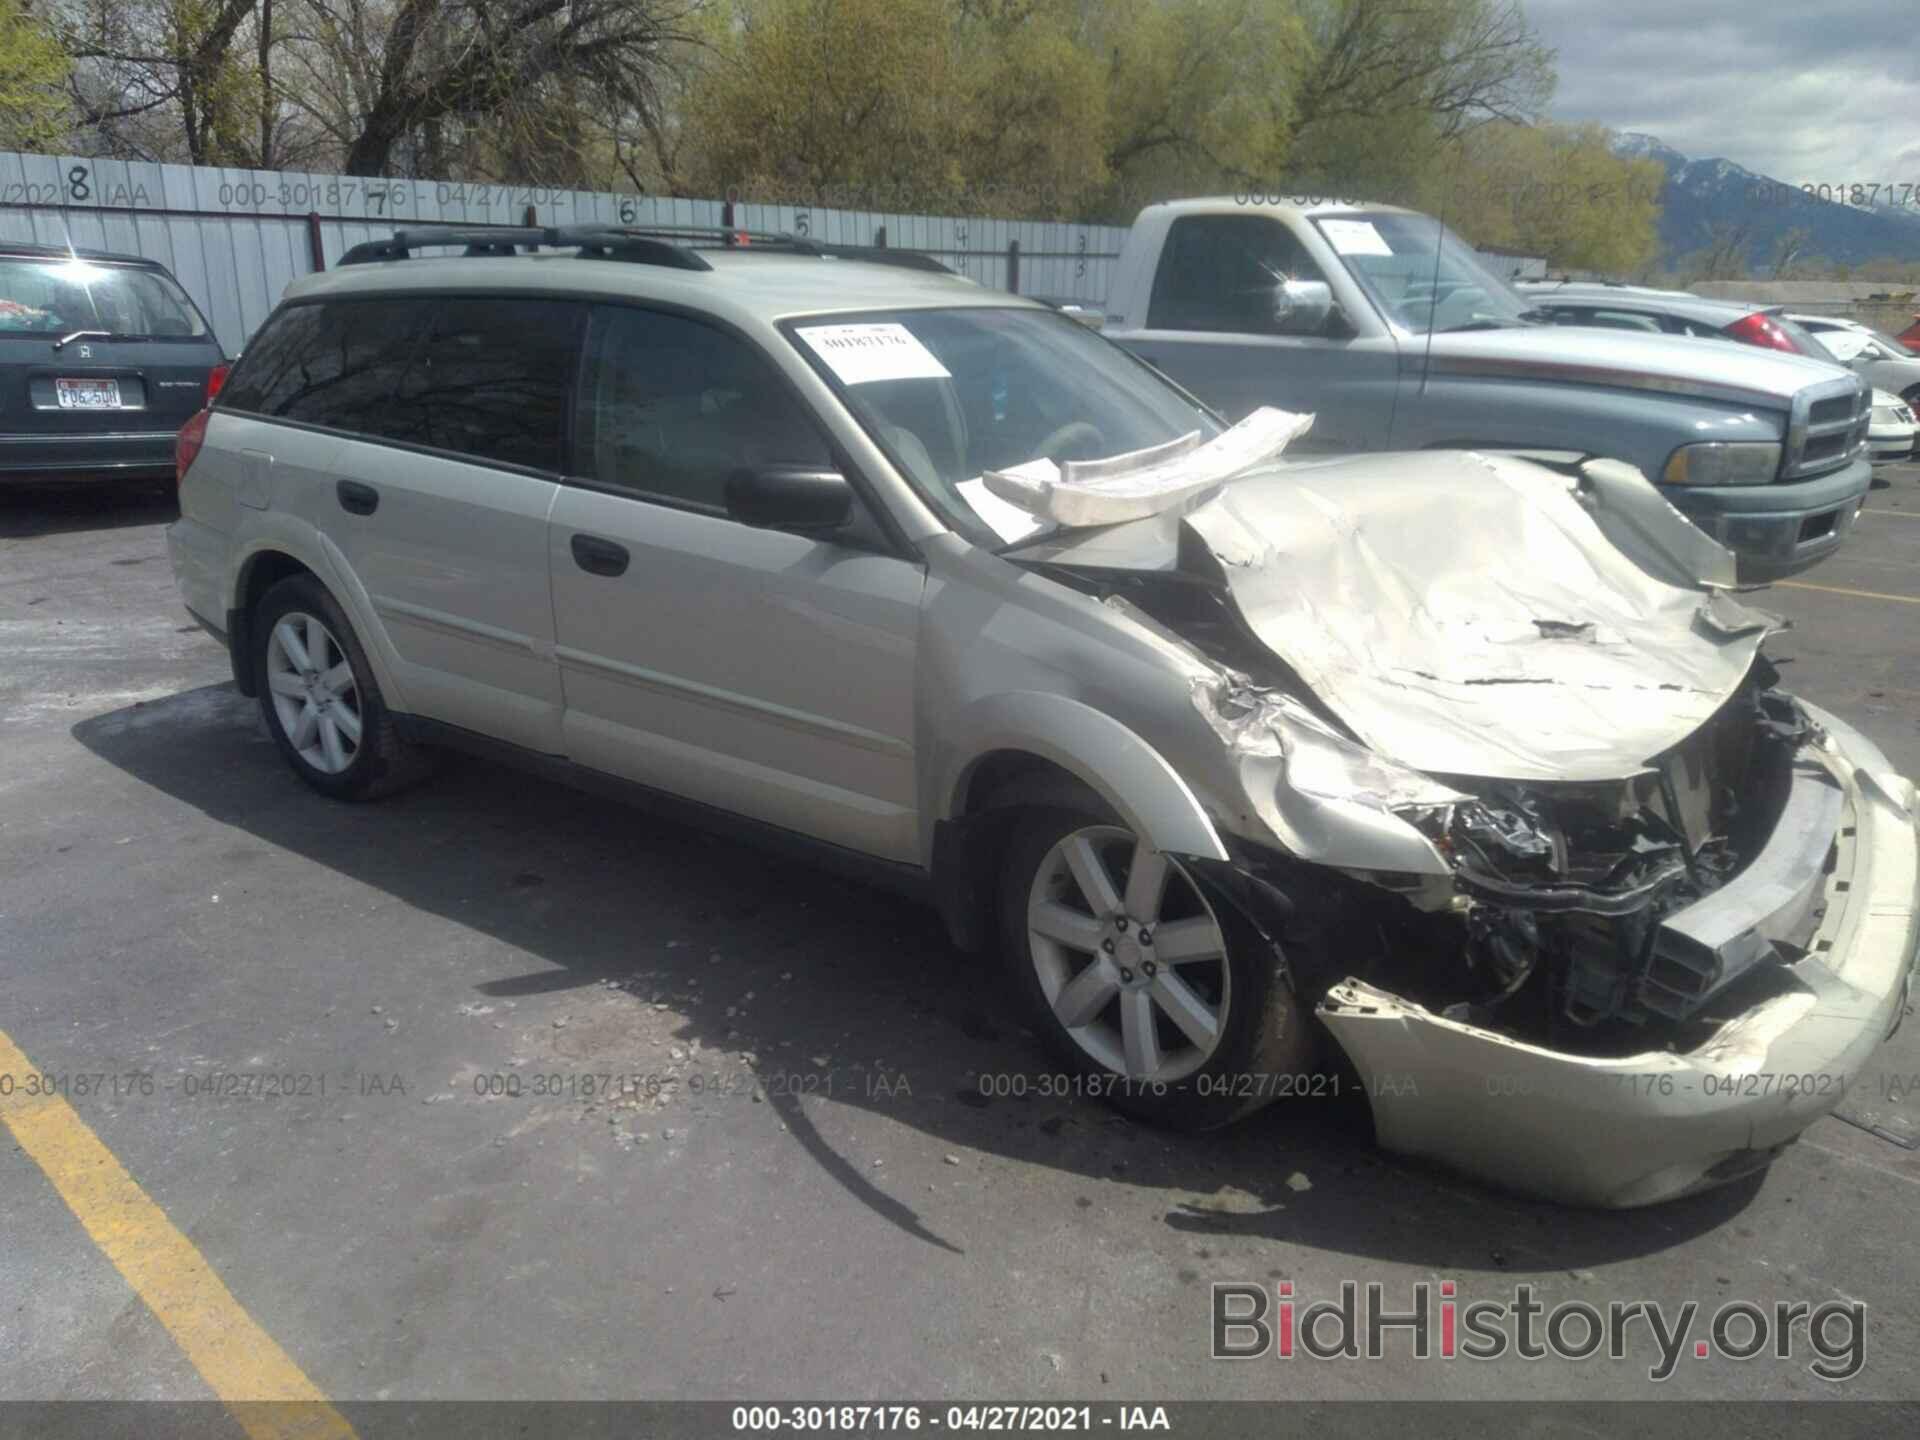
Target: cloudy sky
1807	91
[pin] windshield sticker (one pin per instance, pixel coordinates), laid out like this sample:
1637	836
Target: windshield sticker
862	354
1009	522
1354	237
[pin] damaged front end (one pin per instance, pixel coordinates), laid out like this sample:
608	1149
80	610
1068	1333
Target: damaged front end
1615	993
1562	914
1566	890
1595	909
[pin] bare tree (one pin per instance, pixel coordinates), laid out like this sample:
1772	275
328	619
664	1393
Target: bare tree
171	58
1788	250
1723	257
1460	61
392	82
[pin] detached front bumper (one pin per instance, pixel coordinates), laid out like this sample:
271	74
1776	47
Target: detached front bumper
1650	1127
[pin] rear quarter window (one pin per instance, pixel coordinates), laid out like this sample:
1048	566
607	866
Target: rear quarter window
485	378
335	363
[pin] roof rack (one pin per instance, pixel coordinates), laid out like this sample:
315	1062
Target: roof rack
735	238
598	240
668	245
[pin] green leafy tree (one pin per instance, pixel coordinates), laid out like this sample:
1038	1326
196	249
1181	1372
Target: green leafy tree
1029	111
833	102
1558	192
34	109
1196	99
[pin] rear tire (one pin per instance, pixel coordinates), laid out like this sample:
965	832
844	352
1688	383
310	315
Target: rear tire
1192	1026
322	704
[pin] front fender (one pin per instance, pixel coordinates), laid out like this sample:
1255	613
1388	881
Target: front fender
1130	775
1126	772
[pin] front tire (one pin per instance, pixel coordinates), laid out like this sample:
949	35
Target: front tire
322	704
1172	1007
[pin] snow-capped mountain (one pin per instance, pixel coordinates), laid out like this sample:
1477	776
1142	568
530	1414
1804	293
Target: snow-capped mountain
1702	197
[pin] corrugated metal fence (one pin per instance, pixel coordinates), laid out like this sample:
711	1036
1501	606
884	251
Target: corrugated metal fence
235	238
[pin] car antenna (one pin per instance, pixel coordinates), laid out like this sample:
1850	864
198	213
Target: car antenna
1433	299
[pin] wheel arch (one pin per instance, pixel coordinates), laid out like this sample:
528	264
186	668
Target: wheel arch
258	573
287	549
1009	752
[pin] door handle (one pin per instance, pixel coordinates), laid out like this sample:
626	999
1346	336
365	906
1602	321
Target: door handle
599	557
357	499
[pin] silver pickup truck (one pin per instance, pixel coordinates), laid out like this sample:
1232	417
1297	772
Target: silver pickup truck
1397	336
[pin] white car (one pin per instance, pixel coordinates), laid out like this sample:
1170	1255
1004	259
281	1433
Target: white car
1881	360
1466	768
1891	435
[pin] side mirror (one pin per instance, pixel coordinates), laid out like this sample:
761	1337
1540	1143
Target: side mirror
1301	307
790	497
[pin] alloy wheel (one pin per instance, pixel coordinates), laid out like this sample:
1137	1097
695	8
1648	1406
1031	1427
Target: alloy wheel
1129	955
314	692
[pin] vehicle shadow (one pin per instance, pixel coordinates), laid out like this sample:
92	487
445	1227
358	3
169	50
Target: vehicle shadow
32	510
853	983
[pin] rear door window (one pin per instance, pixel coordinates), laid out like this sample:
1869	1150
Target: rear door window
1623	320
491	380
335	364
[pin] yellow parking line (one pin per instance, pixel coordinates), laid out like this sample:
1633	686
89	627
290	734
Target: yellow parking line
1841	590
1896	514
266	1392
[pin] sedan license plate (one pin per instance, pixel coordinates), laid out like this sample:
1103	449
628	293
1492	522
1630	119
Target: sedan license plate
87	394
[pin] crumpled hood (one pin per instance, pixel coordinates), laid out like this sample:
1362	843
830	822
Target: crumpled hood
1466	615
1625	359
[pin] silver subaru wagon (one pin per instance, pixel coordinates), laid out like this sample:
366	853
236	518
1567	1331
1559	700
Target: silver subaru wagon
1461	778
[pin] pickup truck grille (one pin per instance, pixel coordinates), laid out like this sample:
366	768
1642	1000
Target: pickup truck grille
1838	407
1829	423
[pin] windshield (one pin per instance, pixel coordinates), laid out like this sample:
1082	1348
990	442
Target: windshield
952	394
1844	344
1420	275
1891	345
58	297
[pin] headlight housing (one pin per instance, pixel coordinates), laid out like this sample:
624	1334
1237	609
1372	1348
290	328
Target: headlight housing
1724	462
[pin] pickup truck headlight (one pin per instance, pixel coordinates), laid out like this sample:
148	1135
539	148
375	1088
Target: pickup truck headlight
1724	462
